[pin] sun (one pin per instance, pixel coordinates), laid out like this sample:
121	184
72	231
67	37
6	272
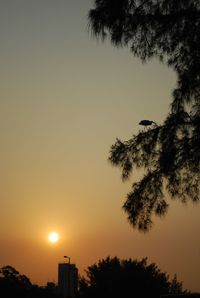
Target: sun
53	237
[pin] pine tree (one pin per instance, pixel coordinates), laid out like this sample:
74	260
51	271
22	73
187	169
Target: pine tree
169	153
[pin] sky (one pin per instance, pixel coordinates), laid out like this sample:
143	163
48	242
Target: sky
65	98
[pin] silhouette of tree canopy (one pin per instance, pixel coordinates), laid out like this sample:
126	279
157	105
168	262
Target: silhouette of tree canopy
113	277
13	284
169	153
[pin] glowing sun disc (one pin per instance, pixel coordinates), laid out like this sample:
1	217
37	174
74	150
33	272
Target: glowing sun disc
53	237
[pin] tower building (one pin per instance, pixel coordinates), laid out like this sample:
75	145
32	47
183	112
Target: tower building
67	279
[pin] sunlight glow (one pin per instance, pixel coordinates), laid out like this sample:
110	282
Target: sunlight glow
53	237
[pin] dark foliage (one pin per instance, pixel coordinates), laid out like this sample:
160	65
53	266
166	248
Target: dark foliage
169	154
113	277
13	284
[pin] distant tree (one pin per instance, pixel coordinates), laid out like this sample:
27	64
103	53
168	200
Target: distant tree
175	286
43	292
169	153
13	284
113	277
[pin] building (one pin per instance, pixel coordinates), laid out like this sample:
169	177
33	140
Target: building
67	279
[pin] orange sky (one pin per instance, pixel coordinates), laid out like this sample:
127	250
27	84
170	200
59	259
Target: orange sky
64	99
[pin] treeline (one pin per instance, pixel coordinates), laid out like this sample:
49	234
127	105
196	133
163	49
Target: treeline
112	277
109	278
14	285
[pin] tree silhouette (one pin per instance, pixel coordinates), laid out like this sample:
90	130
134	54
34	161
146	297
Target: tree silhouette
169	153
113	277
13	284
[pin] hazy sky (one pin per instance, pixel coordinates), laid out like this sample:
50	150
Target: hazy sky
64	99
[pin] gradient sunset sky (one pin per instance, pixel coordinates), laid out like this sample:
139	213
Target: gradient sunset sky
65	97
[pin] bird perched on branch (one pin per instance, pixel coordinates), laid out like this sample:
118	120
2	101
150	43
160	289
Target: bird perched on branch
146	122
